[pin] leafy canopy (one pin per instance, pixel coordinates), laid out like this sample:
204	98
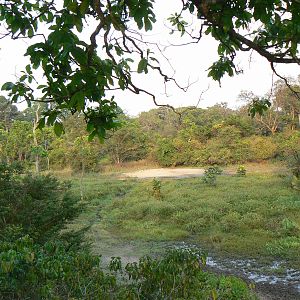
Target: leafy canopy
79	71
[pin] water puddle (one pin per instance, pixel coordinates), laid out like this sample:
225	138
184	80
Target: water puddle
273	273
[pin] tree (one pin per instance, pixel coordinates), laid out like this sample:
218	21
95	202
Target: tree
269	121
78	72
289	103
127	143
17	143
8	113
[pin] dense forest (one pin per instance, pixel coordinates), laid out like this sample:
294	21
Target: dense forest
192	137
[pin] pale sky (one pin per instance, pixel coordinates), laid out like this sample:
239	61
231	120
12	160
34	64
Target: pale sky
190	63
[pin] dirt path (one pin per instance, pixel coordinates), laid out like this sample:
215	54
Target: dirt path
166	173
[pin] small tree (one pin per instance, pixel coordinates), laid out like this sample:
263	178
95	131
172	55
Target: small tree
156	188
210	175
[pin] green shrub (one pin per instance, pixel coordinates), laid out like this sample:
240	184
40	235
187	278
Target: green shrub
261	148
241	171
210	175
31	271
165	152
156	188
50	271
39	205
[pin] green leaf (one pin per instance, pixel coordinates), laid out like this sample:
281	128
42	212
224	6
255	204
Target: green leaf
41	124
7	86
90	127
84	5
58	128
92	135
78	101
79	55
142	66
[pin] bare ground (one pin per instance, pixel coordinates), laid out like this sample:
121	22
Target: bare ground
165	173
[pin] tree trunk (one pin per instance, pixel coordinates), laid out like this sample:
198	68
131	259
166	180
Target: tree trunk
81	181
35	141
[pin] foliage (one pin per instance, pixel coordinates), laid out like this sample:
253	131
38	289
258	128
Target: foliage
261	148
30	271
166	152
241	170
216	135
179	275
128	143
49	271
76	74
40	266
39	205
289	146
156	188
210	175
8	113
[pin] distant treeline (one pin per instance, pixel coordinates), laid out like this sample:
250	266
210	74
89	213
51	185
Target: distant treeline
196	137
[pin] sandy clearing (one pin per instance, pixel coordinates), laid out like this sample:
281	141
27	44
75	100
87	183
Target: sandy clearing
168	172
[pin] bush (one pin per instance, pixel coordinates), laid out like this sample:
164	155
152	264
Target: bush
30	271
39	205
289	144
261	148
165	153
50	271
156	188
241	171
210	175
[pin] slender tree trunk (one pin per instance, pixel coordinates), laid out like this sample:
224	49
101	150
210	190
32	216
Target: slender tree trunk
35	141
81	181
48	163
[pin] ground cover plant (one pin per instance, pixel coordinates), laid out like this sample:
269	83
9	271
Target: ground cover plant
251	216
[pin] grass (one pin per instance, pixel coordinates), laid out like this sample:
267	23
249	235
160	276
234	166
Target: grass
253	216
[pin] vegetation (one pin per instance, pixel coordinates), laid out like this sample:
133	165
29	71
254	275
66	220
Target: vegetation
77	72
241	170
52	272
247	216
210	175
42	253
217	135
37	261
